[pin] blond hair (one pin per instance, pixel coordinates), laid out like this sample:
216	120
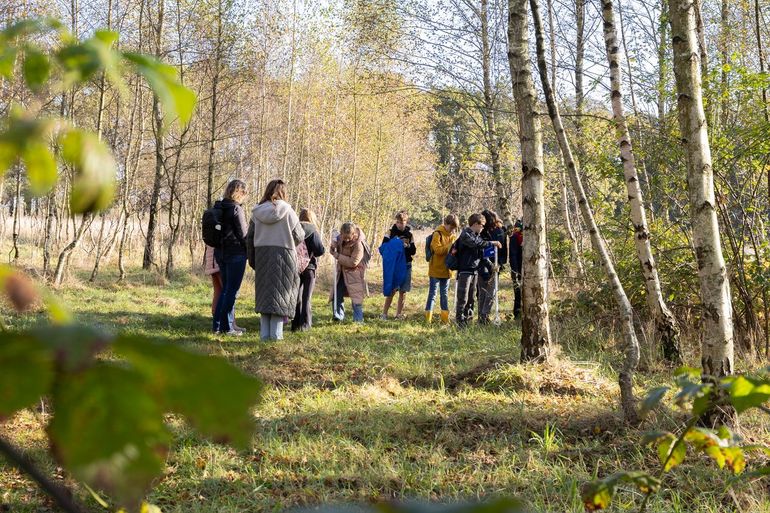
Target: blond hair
235	191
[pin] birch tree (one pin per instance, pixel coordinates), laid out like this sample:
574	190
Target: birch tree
535	324
630	343
666	327
717	333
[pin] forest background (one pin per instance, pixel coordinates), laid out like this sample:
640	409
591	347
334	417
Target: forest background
366	108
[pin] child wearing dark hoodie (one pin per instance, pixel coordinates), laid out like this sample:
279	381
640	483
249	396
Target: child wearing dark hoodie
470	251
487	286
401	231
303	317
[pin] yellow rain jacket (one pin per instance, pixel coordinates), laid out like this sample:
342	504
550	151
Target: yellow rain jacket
439	246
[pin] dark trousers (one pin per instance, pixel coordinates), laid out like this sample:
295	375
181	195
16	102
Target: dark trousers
303	316
516	277
231	268
466	297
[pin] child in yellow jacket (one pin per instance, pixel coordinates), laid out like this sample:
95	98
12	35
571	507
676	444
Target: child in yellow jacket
439	275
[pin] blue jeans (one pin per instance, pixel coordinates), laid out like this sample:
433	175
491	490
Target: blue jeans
442	284
271	327
231	268
339	308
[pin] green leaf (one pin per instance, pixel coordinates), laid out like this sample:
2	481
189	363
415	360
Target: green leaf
41	167
653	399
655	436
746	392
8	155
29	27
36	68
690	373
74	346
108	431
7	60
27	372
215	396
598	494
177	100
93	187
108	37
671	453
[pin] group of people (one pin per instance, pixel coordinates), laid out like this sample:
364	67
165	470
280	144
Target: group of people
478	255
283	247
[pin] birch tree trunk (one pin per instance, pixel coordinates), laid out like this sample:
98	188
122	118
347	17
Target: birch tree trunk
631	345
493	143
535	326
565	208
149	247
666	327
717	330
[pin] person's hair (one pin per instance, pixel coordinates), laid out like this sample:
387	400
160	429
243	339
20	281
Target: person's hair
402	216
475	218
235	191
347	228
452	220
308	216
275	190
490	219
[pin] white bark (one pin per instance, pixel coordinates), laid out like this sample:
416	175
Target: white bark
535	326
665	323
717	327
631	345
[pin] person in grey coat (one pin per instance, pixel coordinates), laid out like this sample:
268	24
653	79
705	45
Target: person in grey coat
274	232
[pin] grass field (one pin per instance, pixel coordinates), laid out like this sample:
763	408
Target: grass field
405	410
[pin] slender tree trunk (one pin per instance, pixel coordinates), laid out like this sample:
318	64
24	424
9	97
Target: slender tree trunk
717	322
566	211
149	247
285	159
16	217
64	255
214	105
631	345
49	227
535	328
665	323
492	141
761	56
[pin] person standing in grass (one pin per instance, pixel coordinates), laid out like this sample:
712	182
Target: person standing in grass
438	273
403	231
470	250
211	268
350	252
274	233
487	285
303	316
231	256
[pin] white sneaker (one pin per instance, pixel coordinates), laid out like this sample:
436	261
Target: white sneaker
238	328
384	317
234	333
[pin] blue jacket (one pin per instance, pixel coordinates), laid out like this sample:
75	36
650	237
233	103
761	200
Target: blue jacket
393	265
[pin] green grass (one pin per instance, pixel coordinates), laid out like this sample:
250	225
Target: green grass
405	410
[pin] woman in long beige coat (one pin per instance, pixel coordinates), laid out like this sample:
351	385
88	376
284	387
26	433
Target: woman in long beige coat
351	257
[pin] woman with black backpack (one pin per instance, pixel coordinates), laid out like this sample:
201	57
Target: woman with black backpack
230	255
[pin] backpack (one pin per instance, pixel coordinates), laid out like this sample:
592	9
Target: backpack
303	257
450	260
211	226
428	252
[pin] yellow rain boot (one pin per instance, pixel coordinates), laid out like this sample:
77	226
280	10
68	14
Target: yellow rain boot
444	316
428	317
